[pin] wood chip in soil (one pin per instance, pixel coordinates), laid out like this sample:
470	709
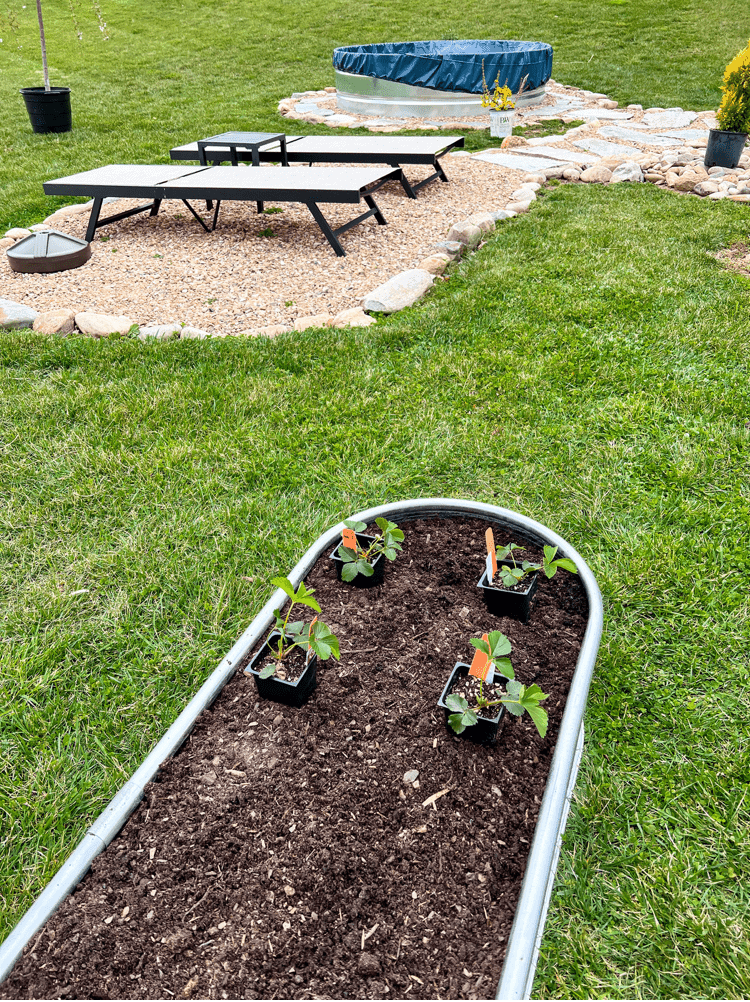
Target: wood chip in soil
282	853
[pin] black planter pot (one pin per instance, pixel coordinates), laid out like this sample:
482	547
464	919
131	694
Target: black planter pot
49	110
505	602
724	149
278	689
484	731
360	581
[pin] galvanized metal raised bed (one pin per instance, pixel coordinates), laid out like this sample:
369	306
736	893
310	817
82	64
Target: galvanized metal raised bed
517	975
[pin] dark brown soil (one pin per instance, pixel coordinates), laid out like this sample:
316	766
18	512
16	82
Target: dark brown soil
283	853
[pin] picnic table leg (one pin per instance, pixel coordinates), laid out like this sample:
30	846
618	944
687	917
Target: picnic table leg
96	208
328	233
155	207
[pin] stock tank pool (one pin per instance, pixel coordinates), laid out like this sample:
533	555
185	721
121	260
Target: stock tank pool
438	78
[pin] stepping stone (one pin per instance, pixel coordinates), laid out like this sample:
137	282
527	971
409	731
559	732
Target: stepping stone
686	134
605	149
555	110
572	156
384	121
520	162
672	118
646	138
603	113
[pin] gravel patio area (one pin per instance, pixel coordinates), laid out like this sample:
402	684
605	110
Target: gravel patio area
167	269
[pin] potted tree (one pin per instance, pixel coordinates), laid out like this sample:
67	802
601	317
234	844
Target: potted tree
49	107
725	144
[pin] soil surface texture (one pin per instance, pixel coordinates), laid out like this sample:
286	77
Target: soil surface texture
354	848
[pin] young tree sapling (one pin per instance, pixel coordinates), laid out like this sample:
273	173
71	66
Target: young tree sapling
518	698
317	638
361	560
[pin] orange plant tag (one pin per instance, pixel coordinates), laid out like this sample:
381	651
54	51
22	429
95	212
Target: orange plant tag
490	537
480	664
349	537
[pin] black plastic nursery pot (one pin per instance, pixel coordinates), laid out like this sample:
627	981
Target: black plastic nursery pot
506	602
724	149
517	975
295	693
361	580
49	110
485	730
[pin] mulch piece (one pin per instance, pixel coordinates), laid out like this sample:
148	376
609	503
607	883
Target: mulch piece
282	854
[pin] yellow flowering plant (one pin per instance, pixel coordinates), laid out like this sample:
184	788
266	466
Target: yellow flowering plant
500	99
734	111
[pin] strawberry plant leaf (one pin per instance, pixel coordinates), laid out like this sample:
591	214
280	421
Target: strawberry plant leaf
267	671
285	584
365	569
352	523
456	702
349	572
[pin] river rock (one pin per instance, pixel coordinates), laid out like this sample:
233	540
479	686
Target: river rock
555	173
502	214
102	324
571	174
537	179
6	243
162	332
270	330
605	102
518	207
354	317
18	232
318	320
39	227
466	233
15	316
683	182
436	264
596	175
629	171
483	220
523	195
453	248
400	291
55	322
188	333
510	141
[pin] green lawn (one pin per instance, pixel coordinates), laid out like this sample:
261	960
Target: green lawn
175	71
588	367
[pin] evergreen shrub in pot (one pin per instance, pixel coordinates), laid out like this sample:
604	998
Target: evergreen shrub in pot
725	144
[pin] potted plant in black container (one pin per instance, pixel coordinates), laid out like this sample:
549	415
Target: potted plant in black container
725	144
49	107
508	591
476	696
285	668
360	559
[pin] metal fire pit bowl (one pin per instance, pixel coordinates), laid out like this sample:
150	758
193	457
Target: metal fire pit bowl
48	251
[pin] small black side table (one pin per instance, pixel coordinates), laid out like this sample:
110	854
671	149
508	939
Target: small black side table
252	141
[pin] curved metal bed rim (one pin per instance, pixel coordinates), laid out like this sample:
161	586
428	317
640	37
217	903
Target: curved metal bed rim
523	944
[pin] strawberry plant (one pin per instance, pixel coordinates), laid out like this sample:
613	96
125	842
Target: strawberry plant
284	636
518	699
512	576
361	560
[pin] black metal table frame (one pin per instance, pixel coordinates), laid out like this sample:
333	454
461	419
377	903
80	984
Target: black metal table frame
253	148
292	195
271	156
